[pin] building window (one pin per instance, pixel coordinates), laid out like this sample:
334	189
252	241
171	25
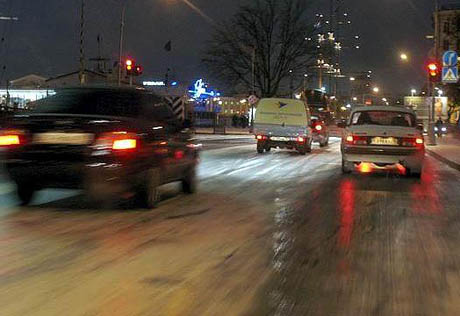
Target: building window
446	44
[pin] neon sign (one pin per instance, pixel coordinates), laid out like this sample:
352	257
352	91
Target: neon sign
199	90
154	83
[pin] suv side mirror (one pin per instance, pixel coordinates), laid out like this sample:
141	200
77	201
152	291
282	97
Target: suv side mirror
341	124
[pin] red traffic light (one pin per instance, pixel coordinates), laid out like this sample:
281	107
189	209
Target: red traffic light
434	72
433	67
139	70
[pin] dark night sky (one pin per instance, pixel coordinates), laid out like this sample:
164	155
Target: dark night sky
45	40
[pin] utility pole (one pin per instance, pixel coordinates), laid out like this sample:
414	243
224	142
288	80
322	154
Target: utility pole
253	62
120	52
81	74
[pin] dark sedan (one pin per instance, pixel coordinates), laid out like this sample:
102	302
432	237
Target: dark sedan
111	142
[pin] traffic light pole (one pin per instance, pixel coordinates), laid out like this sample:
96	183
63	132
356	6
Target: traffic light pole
431	134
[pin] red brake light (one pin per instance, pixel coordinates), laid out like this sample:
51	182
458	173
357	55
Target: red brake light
318	127
261	137
356	140
9	140
412	142
117	141
124	144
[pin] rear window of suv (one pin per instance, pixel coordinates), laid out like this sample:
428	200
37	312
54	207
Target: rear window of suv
385	118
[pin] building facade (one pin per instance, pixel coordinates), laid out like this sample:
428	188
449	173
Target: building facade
447	29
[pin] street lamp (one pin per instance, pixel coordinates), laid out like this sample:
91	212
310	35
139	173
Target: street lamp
404	57
413	92
376	89
120	51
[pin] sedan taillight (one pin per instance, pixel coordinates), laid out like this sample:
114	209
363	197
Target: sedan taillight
356	140
9	138
117	141
412	142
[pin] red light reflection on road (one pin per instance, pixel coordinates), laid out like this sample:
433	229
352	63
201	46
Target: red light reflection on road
425	197
347	212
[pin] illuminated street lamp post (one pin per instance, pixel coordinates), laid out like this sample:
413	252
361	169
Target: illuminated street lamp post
404	57
120	52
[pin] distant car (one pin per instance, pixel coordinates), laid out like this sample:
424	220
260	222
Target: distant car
283	123
383	137
320	131
107	141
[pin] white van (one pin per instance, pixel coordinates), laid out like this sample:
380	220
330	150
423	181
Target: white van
283	123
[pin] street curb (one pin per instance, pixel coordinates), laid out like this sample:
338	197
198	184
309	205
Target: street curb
448	162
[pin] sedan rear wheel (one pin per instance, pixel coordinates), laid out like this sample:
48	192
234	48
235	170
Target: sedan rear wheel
260	147
149	196
308	145
25	193
414	174
345	167
189	182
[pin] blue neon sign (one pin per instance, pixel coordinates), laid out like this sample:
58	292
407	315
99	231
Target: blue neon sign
199	90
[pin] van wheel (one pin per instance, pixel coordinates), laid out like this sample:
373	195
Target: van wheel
25	193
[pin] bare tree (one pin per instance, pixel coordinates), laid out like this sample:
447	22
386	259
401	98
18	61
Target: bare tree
273	33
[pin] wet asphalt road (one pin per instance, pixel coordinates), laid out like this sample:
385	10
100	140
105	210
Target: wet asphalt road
272	234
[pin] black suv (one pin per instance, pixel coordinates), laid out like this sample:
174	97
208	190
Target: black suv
111	142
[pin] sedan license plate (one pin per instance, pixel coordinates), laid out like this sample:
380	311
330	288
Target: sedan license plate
388	141
63	138
280	139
